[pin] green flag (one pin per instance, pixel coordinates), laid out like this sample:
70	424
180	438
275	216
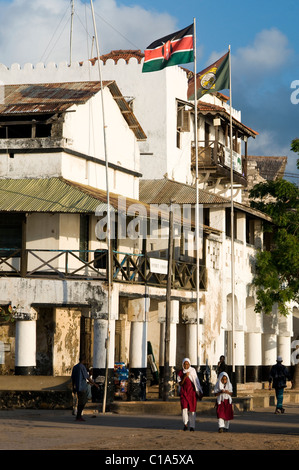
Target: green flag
213	78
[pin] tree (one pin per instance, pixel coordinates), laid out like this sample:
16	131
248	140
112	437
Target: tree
277	270
295	148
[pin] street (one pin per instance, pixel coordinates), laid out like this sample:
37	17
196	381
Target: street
47	430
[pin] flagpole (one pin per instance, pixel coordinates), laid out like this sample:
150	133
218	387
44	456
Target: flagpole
197	200
108	215
232	224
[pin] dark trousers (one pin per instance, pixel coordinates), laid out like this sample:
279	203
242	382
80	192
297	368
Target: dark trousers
82	400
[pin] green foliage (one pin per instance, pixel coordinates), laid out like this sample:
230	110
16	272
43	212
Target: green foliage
7	314
277	270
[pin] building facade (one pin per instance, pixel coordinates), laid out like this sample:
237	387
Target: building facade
54	248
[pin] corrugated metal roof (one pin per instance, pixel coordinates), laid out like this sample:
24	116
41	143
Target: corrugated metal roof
46	195
58	97
57	195
162	191
46	97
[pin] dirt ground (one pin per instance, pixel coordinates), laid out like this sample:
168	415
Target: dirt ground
58	430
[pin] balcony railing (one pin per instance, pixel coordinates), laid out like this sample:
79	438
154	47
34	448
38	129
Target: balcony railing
71	264
213	154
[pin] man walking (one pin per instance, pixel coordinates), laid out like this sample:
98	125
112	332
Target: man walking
279	375
80	380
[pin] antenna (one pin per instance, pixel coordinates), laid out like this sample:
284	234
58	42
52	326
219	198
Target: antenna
71	31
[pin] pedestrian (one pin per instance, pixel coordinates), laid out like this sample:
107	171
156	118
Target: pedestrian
221	366
223	391
80	381
190	391
279	375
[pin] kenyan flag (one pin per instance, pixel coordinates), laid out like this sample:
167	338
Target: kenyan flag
174	49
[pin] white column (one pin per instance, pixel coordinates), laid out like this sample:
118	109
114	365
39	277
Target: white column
99	343
137	315
254	349
284	349
25	351
253	356
269	349
138	345
191	342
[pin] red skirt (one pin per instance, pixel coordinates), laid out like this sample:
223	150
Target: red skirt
225	410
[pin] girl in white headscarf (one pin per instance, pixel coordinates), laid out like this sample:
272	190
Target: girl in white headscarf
190	390
223	391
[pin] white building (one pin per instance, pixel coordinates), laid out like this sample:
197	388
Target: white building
60	152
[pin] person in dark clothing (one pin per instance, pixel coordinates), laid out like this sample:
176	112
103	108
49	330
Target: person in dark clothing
221	366
80	381
279	375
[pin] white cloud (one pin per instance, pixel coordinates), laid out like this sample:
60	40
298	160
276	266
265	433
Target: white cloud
39	30
269	52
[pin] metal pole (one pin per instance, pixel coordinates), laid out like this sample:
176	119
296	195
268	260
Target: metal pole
71	32
232	225
197	201
108	215
168	307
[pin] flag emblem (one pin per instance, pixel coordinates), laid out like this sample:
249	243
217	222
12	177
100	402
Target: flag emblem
213	78
173	49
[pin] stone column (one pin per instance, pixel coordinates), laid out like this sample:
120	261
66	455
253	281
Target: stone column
101	328
137	315
25	349
172	345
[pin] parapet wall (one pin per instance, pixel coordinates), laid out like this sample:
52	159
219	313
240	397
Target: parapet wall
78	71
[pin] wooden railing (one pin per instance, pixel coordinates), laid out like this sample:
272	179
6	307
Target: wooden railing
70	264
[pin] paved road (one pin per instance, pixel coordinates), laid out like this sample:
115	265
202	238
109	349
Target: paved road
57	430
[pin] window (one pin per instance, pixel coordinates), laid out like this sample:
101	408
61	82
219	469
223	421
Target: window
183	124
249	230
228	231
10	233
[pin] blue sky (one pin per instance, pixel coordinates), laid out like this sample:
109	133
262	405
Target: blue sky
263	36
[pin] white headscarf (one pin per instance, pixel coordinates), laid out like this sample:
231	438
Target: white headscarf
221	386
192	375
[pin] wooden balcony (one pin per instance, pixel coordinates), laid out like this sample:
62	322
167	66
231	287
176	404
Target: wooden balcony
127	268
214	162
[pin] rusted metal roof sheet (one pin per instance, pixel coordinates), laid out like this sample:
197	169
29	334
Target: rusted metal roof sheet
59	97
46	97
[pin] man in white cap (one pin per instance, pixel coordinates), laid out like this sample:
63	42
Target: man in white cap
279	375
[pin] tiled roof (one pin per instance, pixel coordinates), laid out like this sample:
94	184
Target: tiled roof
210	108
269	167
